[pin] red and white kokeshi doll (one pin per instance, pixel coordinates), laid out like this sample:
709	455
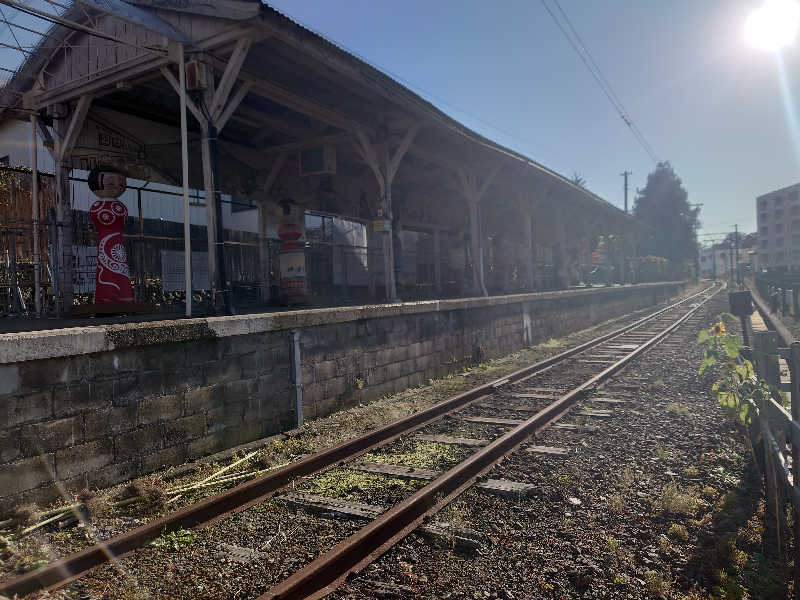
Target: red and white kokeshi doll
113	282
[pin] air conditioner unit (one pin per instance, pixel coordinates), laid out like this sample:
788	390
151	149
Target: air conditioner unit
195	76
320	160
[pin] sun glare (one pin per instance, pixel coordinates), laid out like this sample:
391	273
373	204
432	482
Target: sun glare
773	25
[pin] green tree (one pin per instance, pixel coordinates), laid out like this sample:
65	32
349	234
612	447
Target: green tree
663	204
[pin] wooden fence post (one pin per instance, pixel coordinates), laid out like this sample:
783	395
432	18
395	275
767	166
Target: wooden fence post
765	355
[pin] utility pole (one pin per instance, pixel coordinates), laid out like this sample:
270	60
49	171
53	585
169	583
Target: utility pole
625	175
736	249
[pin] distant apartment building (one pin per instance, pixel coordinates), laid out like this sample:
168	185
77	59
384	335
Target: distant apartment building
778	217
719	260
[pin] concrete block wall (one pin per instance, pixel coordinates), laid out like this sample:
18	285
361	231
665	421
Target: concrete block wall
359	361
94	406
93	420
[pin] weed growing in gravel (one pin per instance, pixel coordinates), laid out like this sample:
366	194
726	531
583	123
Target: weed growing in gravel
691	471
664	544
709	492
616	504
425	455
626	478
673	500
347	484
655	584
174	540
660	452
678	532
677	409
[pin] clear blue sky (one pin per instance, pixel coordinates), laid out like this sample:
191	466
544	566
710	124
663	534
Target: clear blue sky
703	98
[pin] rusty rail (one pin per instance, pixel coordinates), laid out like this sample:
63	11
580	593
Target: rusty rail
251	492
328	571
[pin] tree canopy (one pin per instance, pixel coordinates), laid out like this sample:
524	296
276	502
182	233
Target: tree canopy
663	204
577	179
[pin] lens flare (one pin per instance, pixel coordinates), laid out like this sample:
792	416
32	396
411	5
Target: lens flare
773	25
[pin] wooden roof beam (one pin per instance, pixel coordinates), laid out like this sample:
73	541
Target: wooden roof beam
295	101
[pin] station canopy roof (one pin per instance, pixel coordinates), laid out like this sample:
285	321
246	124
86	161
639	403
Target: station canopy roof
301	88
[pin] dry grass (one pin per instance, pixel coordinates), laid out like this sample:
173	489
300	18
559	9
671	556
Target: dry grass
655	584
678	532
673	500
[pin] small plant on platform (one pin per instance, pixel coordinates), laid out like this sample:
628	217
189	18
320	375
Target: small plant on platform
739	390
174	540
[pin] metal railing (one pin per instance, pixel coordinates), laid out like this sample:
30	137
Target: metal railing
775	436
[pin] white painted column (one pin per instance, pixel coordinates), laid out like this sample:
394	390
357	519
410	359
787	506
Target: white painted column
37	296
187	223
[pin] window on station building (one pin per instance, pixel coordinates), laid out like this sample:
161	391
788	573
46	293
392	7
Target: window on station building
778	227
242	203
793	195
764	230
780	257
778	200
763	204
779	242
764	244
796	254
762	216
778	213
796	239
765	258
796	209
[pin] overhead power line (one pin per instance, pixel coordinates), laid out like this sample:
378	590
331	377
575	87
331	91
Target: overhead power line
575	40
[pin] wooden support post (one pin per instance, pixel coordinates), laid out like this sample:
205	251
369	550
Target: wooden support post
384	164
37	296
187	222
263	241
437	261
530	257
66	129
473	190
561	254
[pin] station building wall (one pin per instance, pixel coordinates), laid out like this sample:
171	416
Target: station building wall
94	406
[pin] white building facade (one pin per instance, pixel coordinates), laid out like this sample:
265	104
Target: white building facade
778	218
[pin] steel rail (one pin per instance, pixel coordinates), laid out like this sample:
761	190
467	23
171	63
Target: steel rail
247	494
328	571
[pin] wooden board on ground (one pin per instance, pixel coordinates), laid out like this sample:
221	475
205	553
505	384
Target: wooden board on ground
599	414
324	504
492	421
609	400
549	450
575	427
446	439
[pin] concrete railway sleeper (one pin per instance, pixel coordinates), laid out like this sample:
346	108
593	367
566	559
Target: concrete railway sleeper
326	572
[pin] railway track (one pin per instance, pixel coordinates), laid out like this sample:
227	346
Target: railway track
520	405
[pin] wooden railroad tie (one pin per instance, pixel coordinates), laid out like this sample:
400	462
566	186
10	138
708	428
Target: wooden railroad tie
446	439
550	450
503	487
596	413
